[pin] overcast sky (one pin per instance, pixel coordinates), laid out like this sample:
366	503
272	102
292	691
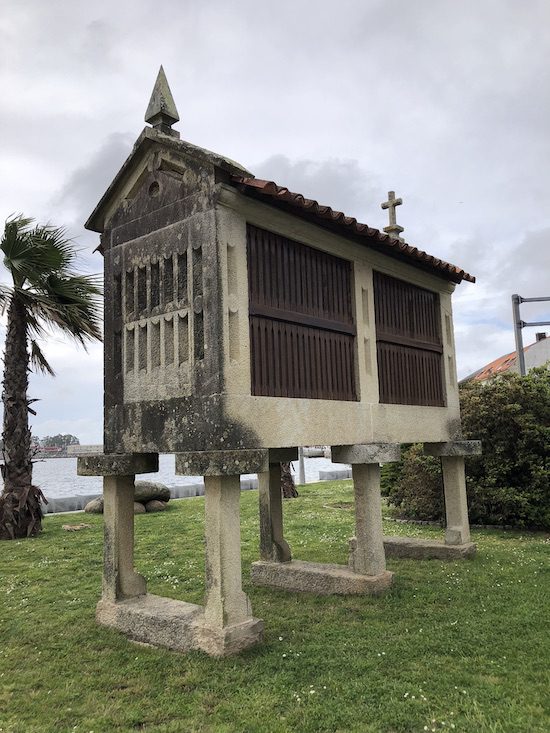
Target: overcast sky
446	102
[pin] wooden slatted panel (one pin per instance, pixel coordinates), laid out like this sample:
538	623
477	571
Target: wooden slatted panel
409	344
302	329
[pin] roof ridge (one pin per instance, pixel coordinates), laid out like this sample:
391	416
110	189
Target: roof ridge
323	211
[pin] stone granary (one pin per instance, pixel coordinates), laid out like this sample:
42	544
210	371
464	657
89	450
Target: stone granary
242	321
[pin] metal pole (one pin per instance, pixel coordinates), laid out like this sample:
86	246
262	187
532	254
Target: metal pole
518	325
301	467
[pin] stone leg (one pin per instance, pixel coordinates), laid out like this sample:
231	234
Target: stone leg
456	506
272	543
226	602
120	581
368	556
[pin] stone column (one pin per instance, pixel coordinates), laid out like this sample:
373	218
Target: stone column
119	577
368	557
457	530
120	580
452	454
272	543
226	602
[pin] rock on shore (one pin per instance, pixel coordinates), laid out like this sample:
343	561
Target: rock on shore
149	496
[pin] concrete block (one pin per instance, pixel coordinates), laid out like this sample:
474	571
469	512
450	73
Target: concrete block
454	448
117	464
420	549
322	579
367	453
222	462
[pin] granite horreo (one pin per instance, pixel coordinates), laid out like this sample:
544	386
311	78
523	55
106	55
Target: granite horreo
241	321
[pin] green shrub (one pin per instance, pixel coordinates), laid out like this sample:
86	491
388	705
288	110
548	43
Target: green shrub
418	485
510	483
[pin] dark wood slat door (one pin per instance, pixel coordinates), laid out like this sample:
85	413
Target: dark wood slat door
409	344
302	329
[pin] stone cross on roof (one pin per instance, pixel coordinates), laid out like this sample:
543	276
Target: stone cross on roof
394	230
161	111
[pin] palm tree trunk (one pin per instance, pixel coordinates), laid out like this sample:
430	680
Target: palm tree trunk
288	487
20	511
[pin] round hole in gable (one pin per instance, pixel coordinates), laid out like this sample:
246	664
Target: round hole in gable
154	189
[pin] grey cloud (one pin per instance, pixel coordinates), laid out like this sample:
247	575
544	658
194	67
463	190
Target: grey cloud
341	184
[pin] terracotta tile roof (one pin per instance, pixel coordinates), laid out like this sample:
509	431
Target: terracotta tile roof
313	210
498	366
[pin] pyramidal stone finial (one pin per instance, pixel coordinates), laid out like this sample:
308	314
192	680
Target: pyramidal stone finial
161	111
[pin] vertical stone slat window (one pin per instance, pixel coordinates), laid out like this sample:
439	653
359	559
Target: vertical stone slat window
130	305
155	284
142	348
168	341
183	339
155	344
182	277
130	349
168	280
408	343
302	328
142	290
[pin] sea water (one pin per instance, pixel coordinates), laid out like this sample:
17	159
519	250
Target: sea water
57	477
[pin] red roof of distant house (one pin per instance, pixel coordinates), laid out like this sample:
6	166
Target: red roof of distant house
325	215
498	366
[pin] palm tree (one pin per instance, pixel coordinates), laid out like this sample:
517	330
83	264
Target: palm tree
45	294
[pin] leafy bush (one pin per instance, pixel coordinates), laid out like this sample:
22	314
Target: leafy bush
510	483
417	489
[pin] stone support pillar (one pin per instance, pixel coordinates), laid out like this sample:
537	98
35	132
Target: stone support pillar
457	530
120	580
452	454
273	546
226	602
368	557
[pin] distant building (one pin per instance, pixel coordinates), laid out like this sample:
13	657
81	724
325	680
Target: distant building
536	354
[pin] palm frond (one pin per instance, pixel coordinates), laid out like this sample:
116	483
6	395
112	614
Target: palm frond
31	254
71	304
39	361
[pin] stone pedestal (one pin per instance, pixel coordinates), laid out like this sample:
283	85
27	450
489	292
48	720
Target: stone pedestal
119	577
120	581
225	625
367	572
457	531
457	544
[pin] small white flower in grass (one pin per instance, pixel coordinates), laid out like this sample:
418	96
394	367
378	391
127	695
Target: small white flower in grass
284	655
280	638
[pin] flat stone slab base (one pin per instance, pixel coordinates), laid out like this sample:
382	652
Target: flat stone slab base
176	625
419	549
323	579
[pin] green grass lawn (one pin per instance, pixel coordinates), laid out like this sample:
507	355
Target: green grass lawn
460	646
